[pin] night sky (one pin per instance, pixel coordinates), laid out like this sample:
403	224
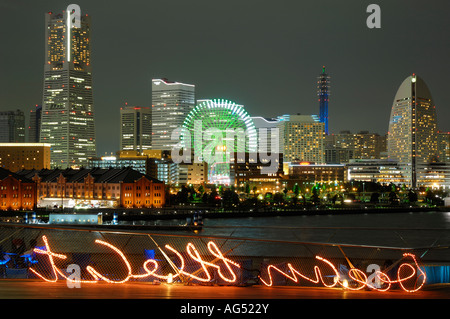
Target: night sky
263	54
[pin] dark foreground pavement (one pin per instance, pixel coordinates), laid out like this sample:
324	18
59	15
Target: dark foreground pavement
31	289
102	300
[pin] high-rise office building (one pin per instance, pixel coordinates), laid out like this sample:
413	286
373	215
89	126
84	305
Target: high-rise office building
12	127
268	132
171	103
34	129
412	136
323	91
444	146
68	107
365	145
338	155
302	139
135	128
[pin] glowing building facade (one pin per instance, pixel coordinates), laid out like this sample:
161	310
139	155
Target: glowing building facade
303	139
135	128
67	121
16	191
246	169
434	175
444	146
171	103
365	145
95	187
412	136
18	156
374	170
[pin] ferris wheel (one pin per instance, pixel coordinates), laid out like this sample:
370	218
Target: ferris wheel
224	118
219	127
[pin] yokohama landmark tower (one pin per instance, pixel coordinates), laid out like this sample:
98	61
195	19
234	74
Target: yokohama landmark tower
67	106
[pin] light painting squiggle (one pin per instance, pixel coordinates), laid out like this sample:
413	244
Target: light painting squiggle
226	270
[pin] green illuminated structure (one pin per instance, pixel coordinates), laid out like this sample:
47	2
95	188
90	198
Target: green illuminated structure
218	128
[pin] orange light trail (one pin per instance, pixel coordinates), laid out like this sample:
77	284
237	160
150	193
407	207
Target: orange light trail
295	272
355	275
226	270
191	250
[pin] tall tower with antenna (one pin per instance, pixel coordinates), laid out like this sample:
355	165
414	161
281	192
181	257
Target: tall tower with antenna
67	121
323	91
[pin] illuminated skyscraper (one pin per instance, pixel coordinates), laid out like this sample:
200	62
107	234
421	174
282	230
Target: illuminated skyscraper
412	136
67	121
444	146
12	127
135	128
323	91
171	103
365	145
302	139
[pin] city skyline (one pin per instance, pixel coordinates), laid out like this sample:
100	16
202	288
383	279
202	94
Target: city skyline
231	60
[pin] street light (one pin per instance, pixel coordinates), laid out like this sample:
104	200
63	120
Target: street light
364	191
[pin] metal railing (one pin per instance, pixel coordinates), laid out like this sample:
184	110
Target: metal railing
237	255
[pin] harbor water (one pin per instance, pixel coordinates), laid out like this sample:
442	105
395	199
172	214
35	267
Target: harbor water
426	231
